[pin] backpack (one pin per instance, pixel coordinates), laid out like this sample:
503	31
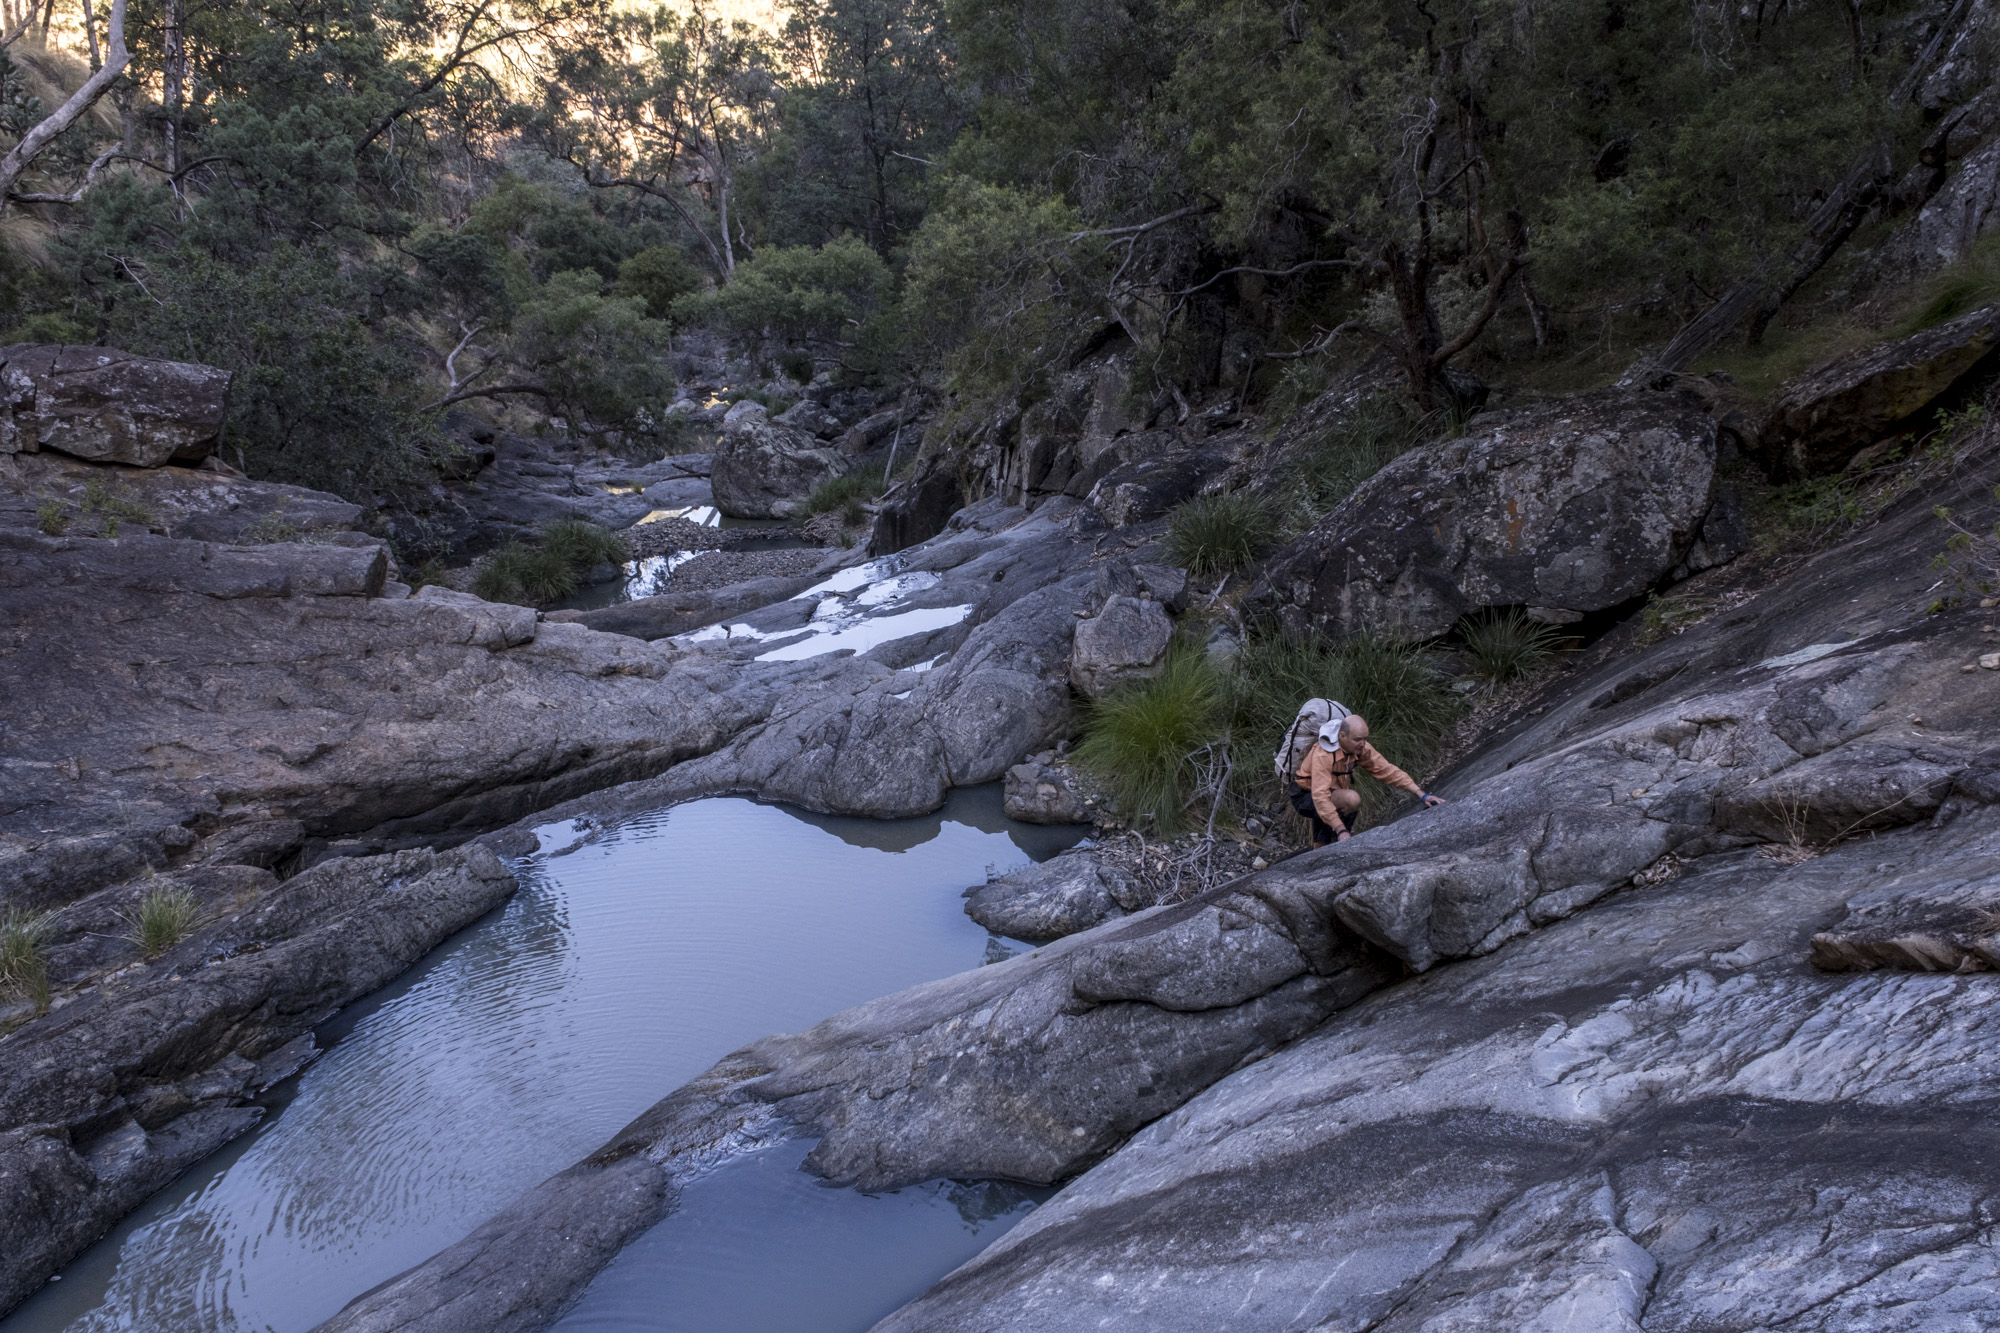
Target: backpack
1304	731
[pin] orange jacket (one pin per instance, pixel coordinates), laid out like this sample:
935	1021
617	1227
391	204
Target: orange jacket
1322	773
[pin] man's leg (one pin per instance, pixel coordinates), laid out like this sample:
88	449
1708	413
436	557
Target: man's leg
1347	804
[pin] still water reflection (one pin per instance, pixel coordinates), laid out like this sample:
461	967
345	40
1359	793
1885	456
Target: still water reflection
627	964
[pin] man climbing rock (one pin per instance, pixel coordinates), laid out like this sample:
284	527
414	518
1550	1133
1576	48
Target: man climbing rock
1324	791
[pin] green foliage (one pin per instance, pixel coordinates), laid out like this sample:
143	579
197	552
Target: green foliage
1967	285
272	527
1670	615
525	575
1334	456
845	493
1408	704
52	517
815	297
1138	742
23	971
163	919
1218	534
583	544
657	276
319	399
995	293
1970	561
1506	645
601	357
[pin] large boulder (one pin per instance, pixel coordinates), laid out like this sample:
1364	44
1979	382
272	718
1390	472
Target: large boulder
1822	419
765	470
109	406
1059	897
1566	507
1126	641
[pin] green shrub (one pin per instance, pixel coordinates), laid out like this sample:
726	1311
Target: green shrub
1409	706
526	575
584	544
1217	534
846	492
23	972
163	919
1967	285
52	517
1330	462
1137	742
1506	645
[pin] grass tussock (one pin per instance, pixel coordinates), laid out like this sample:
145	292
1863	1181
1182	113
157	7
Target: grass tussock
163	919
1152	746
584	544
1140	742
1506	645
845	495
551	568
24	974
1218	534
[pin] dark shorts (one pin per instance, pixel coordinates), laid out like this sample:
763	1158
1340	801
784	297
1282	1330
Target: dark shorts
1302	802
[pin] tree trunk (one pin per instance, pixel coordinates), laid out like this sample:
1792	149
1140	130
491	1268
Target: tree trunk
172	61
37	140
90	36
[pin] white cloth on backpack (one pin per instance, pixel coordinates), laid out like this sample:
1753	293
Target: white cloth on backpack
1304	731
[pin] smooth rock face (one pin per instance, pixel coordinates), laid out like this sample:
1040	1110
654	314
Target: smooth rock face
153	1063
762	469
109	406
1059	897
1651	1116
1125	641
1967	208
1819	421
1576	505
1450	1145
1042	793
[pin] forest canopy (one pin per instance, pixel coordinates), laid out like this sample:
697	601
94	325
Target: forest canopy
380	210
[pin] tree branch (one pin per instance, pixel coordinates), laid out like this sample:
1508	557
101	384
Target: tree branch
494	392
1495	290
37	140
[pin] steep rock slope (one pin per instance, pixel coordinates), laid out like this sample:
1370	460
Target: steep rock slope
1041	1067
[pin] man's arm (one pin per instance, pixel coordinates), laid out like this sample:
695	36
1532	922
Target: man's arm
1375	766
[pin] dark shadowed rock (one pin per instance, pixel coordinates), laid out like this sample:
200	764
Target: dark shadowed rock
762	469
1125	641
109	406
192	503
1822	419
1572	506
1043	793
1059	897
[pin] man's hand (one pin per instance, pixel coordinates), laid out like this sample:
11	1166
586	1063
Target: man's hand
1342	836
1430	802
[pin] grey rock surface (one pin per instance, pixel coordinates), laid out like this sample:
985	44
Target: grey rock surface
150	1063
1039	791
1481	1142
108	406
1576	505
1125	641
198	504
1822	419
763	469
1654	1116
1058	897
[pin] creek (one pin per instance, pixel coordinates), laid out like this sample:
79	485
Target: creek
631	960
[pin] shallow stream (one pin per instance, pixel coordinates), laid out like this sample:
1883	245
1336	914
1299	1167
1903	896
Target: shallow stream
628	963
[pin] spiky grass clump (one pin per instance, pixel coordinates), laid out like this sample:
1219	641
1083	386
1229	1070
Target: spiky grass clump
1218	534
1506	645
525	575
163	919
584	544
1138	740
845	493
23	972
1409	706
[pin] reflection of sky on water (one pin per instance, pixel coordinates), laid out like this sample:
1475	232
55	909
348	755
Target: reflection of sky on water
626	965
758	1246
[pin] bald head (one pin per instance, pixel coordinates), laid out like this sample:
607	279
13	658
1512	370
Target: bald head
1353	731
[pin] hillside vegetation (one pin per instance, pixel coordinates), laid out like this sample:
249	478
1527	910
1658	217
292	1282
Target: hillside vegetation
379	210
